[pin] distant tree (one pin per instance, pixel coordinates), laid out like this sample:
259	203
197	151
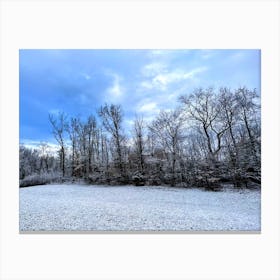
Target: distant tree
38	160
28	161
45	157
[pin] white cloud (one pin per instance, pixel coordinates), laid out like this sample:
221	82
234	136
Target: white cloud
116	91
146	85
178	75
161	81
153	69
148	107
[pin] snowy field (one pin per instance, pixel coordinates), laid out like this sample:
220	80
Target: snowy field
129	208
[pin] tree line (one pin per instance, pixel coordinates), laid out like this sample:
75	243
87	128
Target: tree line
212	138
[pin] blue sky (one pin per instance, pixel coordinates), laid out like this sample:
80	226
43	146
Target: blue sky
144	82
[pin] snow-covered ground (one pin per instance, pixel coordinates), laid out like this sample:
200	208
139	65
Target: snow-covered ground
82	207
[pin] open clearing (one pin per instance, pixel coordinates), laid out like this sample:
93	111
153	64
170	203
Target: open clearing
129	208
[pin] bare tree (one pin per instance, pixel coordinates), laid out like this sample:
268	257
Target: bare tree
168	126
91	132
203	107
45	156
138	134
112	116
249	111
59	125
104	152
213	137
73	131
29	162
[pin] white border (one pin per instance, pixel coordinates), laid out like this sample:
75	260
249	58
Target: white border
135	24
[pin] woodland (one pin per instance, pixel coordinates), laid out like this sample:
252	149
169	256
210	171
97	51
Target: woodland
211	140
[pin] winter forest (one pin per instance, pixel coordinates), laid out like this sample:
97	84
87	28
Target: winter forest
211	140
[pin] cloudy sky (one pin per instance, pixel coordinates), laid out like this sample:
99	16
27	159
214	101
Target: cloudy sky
144	82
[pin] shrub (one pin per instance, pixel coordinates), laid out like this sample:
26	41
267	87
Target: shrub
39	179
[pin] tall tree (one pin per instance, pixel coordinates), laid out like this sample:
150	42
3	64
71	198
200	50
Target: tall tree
138	137
202	107
168	126
112	116
92	139
249	112
59	125
73	131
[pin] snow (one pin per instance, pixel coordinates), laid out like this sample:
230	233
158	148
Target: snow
129	208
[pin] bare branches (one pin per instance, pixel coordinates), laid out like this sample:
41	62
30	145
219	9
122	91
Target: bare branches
59	125
139	142
168	127
111	116
213	135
